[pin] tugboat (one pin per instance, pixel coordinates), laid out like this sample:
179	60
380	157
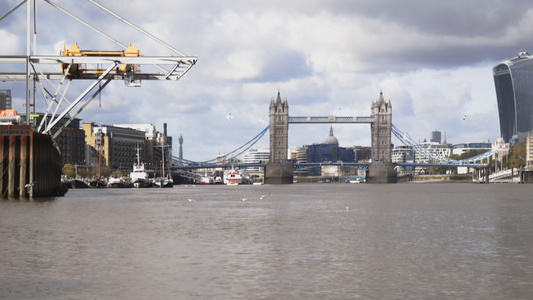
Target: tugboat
139	177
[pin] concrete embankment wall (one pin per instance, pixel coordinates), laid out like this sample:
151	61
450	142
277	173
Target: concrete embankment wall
30	165
315	179
436	178
526	176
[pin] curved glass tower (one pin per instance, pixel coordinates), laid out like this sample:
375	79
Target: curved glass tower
513	80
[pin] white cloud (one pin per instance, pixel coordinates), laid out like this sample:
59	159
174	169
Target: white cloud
10	43
432	60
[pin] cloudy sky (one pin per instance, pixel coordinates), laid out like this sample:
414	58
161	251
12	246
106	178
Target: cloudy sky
432	59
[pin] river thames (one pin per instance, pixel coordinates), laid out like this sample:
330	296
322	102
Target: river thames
300	241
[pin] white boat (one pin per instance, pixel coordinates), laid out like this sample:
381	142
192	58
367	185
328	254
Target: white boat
138	177
206	179
165	180
357	180
232	177
117	181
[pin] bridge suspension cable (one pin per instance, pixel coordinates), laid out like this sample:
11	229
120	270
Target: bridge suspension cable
427	153
243	148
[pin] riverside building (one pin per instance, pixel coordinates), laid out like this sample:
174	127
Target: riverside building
115	147
529	151
328	151
254	156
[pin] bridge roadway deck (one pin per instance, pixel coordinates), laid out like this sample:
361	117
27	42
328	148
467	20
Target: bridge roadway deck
446	164
297	166
300	166
330	119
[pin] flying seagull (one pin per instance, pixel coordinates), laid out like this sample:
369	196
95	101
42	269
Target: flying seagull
263	196
229	117
464	117
29	186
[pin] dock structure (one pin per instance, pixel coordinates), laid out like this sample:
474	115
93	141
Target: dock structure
30	164
525	175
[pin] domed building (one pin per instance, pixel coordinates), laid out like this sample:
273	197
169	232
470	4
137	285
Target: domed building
329	151
331	139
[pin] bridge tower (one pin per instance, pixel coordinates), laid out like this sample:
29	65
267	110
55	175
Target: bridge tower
279	170
381	130
279	130
381	169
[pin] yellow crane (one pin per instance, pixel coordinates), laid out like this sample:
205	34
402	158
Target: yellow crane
82	71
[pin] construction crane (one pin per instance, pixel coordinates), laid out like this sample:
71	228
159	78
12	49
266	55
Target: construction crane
97	66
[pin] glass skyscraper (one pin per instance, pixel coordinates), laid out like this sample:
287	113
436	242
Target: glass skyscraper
513	80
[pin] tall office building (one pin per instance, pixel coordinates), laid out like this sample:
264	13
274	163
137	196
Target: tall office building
436	136
5	99
513	80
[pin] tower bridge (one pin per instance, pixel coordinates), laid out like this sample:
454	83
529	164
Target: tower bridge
381	169
279	170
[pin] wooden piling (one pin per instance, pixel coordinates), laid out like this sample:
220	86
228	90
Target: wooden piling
11	167
23	166
2	165
31	166
28	158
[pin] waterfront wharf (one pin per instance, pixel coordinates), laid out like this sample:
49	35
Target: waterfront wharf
30	164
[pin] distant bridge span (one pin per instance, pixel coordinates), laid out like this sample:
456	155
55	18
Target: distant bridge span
301	166
331	119
297	166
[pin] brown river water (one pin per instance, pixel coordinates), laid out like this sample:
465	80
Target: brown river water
300	241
